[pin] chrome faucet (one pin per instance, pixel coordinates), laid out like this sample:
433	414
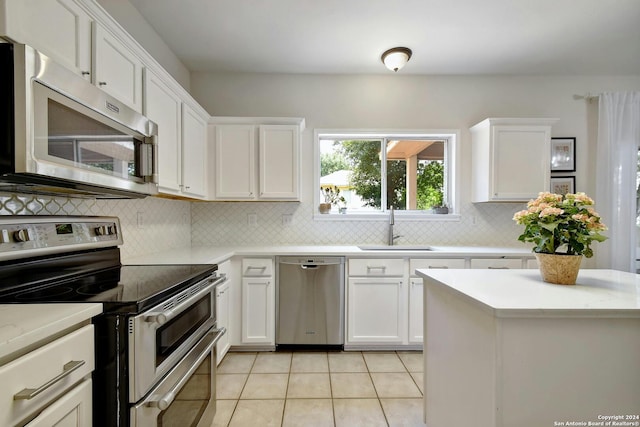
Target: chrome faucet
392	237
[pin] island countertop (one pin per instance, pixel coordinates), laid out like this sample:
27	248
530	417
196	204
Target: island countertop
507	293
512	350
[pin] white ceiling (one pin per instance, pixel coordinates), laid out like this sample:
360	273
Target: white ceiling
562	37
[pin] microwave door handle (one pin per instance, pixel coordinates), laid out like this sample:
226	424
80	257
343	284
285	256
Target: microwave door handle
148	158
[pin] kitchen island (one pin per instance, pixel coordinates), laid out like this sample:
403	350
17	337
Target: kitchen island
504	348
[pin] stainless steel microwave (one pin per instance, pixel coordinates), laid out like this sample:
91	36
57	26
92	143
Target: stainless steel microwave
61	135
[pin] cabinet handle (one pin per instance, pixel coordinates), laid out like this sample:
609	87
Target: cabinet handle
381	267
438	266
102	83
30	393
498	268
86	73
256	268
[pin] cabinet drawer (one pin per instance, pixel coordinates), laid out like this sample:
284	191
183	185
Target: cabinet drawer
376	267
40	366
257	267
426	264
497	263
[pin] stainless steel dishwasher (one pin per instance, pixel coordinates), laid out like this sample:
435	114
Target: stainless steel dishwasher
310	296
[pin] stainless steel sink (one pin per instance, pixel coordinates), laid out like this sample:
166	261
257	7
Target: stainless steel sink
396	248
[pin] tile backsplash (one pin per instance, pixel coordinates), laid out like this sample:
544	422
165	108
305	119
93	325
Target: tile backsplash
165	224
227	224
156	224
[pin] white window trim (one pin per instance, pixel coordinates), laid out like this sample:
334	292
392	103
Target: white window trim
453	146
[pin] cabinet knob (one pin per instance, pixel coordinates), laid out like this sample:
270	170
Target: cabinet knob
86	73
102	83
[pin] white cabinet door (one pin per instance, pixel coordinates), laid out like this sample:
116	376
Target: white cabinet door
73	409
376	310
279	166
194	155
416	304
117	70
510	159
235	162
60	29
258	310
222	317
162	105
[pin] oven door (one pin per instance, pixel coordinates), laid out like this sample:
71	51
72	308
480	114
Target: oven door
159	338
187	395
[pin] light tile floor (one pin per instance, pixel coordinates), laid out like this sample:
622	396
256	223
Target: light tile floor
299	389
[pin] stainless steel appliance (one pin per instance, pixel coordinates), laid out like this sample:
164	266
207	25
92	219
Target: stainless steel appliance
310	295
155	340
59	134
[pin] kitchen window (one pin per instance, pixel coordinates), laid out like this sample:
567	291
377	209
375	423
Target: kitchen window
365	173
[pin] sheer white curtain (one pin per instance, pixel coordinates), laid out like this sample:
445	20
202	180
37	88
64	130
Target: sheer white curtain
616	164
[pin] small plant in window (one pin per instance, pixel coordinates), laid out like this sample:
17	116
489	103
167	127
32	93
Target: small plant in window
331	196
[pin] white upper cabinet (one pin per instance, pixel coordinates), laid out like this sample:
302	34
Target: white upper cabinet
258	156
117	70
182	138
163	106
194	152
510	159
235	161
279	162
68	42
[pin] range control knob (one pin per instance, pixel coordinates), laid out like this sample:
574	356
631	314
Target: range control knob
105	230
21	235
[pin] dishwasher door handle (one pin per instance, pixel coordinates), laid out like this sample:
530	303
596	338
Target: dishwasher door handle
308	266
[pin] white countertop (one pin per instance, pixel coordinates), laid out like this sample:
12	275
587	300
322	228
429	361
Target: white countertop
522	293
25	325
217	254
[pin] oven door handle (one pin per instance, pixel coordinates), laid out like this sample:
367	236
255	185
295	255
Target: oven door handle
164	316
163	402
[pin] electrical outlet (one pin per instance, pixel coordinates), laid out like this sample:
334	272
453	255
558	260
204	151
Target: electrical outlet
287	219
252	219
140	219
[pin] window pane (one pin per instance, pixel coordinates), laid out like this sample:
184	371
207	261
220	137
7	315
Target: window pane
415	174
354	167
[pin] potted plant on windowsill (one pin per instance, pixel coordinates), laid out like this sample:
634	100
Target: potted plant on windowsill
443	209
331	196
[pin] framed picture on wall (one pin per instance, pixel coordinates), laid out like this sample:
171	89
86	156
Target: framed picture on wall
563	184
563	154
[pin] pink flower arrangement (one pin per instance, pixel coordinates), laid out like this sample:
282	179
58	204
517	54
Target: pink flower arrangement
553	221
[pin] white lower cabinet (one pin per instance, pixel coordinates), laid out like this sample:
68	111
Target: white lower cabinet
72	409
223	310
416	313
377	297
258	302
50	381
376	310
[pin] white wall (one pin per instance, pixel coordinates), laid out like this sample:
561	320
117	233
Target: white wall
393	101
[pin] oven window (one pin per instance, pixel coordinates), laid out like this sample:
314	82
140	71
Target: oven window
171	335
192	400
89	143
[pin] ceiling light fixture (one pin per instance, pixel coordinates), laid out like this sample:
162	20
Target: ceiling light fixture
396	58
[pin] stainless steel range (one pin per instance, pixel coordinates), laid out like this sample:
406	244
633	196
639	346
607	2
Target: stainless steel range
155	341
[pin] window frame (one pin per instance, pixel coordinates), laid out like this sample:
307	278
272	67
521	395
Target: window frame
452	138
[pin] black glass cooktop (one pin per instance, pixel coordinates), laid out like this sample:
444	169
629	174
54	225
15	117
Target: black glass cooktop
122	288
